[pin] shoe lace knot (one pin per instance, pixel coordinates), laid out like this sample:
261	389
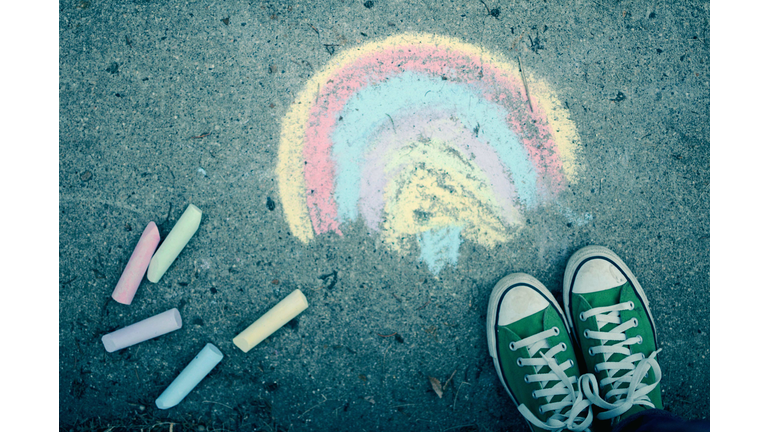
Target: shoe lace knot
627	388
565	413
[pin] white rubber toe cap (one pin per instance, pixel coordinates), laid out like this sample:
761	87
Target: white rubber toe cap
520	302
597	275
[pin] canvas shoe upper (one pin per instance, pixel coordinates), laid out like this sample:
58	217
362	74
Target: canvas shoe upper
532	351
609	314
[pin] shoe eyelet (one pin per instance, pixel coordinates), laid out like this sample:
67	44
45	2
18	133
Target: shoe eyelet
557	330
562	345
541	411
631	305
520	361
635	322
525	378
642	356
641	339
512	346
533	394
586	335
581	317
570	363
591	353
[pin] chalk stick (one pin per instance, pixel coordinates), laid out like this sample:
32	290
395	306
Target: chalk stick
179	236
196	370
149	328
278	316
137	265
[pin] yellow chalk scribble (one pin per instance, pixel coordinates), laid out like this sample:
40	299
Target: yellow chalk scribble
439	188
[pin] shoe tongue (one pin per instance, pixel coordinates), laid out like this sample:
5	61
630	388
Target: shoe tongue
530	325
548	320
604	298
608	297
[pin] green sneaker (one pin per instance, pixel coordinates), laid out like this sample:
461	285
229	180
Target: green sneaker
532	351
609	314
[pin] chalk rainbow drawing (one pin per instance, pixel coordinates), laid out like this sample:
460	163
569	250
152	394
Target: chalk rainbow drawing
430	140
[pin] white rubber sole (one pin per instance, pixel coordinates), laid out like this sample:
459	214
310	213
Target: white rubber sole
590	252
493	305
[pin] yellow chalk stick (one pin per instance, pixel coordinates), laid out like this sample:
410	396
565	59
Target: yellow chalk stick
278	316
179	236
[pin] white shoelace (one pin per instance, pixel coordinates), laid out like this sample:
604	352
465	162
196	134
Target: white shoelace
623	397
574	399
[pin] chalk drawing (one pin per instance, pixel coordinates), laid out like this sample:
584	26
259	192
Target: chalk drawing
429	140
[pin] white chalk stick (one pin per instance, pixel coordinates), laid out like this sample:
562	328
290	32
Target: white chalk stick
278	316
149	328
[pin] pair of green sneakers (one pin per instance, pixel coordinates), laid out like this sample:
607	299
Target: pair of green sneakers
607	323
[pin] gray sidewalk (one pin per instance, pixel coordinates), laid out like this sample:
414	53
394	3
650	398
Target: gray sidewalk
166	104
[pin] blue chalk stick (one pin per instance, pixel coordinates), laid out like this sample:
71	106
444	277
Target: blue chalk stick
195	371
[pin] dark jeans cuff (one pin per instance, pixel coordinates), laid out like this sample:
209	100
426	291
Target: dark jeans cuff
656	420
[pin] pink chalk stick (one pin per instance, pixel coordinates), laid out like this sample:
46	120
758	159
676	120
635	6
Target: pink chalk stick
137	265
